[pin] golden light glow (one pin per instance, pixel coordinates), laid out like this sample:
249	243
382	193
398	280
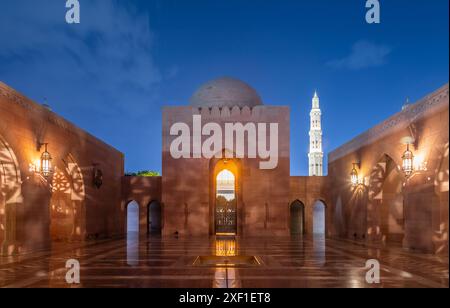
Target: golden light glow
226	184
226	175
354	178
419	163
35	166
225	178
226	248
42	165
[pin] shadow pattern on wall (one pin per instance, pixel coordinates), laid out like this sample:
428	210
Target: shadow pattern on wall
385	214
10	198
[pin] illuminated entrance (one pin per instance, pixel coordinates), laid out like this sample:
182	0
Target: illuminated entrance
225	212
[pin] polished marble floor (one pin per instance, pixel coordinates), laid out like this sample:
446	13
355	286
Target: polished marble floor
310	262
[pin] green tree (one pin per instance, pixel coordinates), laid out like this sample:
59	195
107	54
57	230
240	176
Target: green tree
144	173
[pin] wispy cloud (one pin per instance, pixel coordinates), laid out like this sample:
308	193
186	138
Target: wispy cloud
101	74
108	55
364	54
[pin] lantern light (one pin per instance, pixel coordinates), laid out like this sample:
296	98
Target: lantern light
354	179
46	163
408	162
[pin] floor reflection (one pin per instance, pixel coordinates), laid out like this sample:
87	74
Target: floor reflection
133	248
319	249
226	277
301	262
225	247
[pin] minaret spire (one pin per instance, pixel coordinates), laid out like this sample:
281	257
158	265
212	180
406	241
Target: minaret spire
315	135
316	101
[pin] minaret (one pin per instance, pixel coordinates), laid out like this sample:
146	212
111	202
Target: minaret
315	139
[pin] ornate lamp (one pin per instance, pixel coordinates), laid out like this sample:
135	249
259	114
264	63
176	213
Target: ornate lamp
97	176
354	179
46	163
408	162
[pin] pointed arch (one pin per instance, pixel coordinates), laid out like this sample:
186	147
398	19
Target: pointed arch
297	218
234	165
319	217
132	218
225	194
154	212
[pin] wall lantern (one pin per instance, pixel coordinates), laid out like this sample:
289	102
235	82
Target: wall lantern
46	162
354	177
97	176
408	162
43	166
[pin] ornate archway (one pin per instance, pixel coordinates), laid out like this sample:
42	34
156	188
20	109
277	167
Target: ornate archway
226	198
226	218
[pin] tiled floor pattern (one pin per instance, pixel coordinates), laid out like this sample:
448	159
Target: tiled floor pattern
285	262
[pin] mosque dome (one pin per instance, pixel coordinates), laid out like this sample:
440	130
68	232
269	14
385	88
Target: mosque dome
225	92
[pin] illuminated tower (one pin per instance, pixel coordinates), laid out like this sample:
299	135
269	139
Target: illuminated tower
315	139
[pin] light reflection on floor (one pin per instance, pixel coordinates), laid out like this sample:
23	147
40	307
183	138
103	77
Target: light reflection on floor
226	247
319	249
286	262
226	277
133	248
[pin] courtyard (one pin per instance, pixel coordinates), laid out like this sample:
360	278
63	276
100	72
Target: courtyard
224	145
155	262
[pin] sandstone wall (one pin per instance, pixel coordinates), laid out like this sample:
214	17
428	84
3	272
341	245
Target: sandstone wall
67	206
389	206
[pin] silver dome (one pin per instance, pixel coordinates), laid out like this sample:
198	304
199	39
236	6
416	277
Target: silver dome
225	92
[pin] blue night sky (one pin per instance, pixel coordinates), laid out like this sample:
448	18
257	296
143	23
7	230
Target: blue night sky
112	73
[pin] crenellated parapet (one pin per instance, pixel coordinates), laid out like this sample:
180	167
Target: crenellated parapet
247	113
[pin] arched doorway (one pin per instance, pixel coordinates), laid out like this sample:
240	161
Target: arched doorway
297	213
226	203
132	227
386	194
319	218
154	218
